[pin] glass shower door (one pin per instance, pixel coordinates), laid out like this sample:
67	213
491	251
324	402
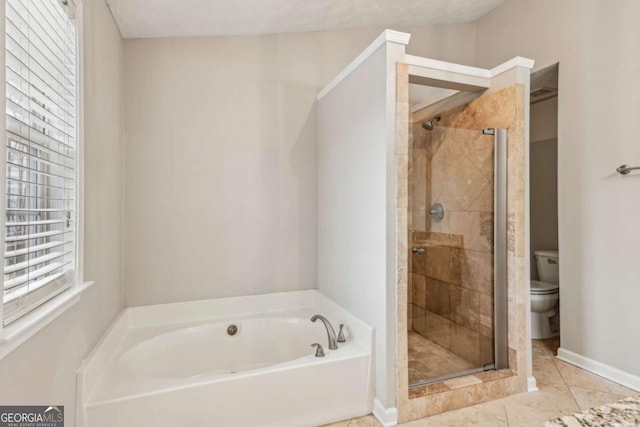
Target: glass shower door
457	280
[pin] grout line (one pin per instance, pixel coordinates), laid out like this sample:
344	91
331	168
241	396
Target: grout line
555	365
506	414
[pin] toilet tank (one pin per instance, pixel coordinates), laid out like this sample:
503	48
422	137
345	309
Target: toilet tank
547	263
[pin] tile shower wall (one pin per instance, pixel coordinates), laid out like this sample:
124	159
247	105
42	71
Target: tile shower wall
451	284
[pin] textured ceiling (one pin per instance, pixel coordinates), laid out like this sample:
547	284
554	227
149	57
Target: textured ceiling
189	18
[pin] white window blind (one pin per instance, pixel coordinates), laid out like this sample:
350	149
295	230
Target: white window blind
40	163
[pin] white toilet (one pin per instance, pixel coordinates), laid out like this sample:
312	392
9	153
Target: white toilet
544	295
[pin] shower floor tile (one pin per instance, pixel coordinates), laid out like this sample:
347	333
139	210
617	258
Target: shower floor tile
429	360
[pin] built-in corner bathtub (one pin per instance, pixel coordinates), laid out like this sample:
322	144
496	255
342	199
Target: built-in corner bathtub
177	365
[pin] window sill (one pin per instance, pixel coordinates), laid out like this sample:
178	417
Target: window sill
26	327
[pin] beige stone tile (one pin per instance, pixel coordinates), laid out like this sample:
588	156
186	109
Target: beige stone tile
402	82
484	199
448	161
437	239
419	320
403	135
487	350
495	375
552	345
462	382
533	409
437	297
416	372
415	341
437	328
456	258
576	377
435	139
428	359
368	421
486	315
515	233
421	138
540	350
587	399
338	424
437	262
546	372
517	326
513	287
428	389
403	314
465	307
465	343
418	187
402	162
497	108
419	290
476	271
418	263
466	181
402	113
483	415
514	359
476	229
481	150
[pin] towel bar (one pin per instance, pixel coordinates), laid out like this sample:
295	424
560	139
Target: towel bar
624	169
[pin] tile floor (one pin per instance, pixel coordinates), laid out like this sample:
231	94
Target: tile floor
564	389
429	360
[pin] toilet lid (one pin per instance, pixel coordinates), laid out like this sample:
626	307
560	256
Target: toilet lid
543	288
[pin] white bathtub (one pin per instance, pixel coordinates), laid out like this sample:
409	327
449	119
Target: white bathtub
175	364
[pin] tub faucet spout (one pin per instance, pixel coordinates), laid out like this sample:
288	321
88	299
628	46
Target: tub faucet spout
331	334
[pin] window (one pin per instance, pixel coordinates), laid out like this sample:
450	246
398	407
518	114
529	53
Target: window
41	155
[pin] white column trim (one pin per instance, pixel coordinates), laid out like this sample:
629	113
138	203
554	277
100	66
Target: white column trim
387	36
388	417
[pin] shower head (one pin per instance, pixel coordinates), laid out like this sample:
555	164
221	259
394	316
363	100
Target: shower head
428	125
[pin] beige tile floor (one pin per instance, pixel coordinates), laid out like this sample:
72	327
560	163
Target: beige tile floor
429	360
564	389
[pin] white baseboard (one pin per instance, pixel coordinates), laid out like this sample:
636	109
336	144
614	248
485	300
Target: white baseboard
601	369
532	385
388	417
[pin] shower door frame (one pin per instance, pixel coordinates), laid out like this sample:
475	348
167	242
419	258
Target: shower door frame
500	228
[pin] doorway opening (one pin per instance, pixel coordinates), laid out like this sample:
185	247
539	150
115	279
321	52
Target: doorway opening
543	191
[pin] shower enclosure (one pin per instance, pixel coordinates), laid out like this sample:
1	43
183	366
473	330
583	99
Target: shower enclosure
371	216
457	294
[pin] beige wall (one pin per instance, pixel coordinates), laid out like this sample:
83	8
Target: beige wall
595	43
220	158
543	118
42	370
352	165
544	197
544	177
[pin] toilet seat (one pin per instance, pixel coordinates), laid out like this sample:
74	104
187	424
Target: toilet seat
543	288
